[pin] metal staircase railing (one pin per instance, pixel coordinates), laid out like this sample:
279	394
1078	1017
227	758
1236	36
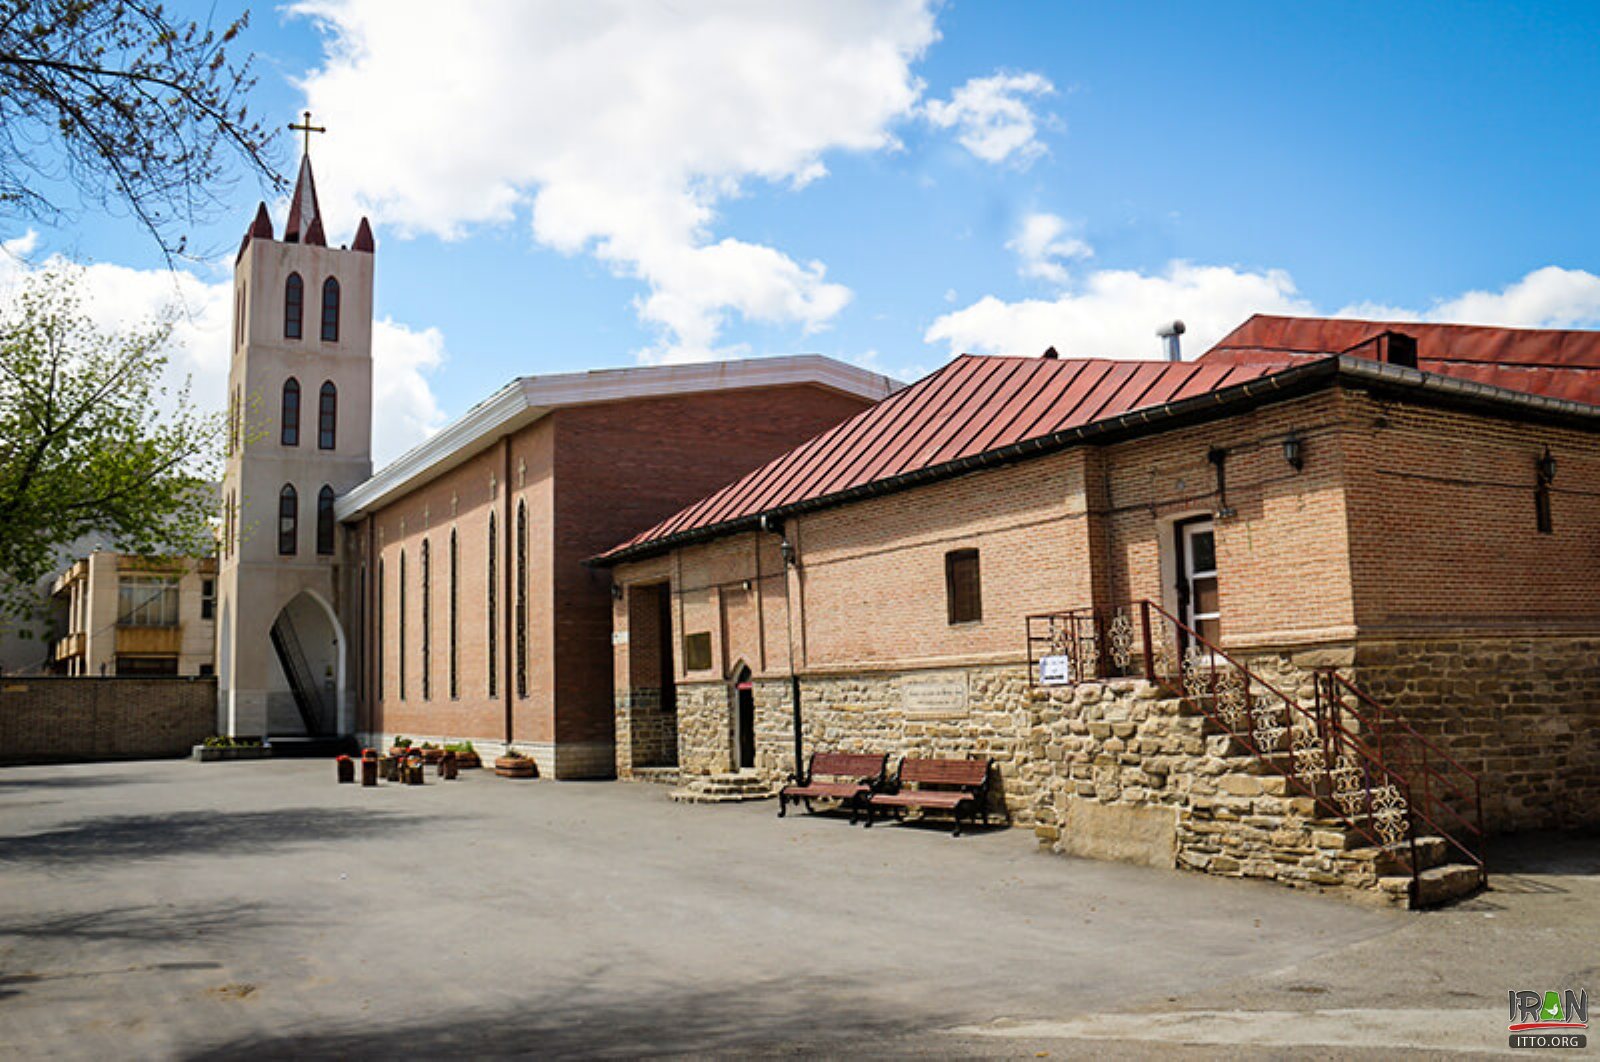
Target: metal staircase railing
302	683
1366	769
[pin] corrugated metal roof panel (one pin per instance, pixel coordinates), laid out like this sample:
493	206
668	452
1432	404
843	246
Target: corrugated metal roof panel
970	406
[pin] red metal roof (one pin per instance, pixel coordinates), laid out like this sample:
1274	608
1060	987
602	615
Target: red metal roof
1550	362
973	405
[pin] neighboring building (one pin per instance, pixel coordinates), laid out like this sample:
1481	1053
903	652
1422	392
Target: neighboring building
1302	497
129	615
446	596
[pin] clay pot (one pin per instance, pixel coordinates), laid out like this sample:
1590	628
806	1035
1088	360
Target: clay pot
466	761
411	773
432	755
369	772
447	766
345	767
521	767
389	768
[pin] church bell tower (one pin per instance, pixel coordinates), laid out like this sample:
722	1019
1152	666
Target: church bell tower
299	435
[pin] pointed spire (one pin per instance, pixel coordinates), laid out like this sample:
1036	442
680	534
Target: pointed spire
260	228
303	209
363	241
314	235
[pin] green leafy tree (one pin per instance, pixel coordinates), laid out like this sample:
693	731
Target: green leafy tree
132	108
92	441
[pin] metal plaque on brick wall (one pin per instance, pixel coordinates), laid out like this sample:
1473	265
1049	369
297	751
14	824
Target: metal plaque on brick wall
934	695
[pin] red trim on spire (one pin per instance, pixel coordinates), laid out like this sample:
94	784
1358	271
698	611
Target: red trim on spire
363	241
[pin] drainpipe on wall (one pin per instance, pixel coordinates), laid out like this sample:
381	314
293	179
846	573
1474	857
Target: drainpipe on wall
786	548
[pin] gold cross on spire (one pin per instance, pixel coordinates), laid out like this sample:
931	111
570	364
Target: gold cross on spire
307	128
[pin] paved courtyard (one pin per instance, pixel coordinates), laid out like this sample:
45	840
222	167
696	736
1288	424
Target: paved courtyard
183	910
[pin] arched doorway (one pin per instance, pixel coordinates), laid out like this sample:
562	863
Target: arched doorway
307	693
744	718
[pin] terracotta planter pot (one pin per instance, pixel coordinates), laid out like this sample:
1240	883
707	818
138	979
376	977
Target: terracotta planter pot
411	773
447	766
400	752
432	755
369	772
345	768
518	768
466	761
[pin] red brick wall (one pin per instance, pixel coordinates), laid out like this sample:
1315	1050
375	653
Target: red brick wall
590	477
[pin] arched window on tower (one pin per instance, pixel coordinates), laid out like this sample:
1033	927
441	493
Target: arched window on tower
294	306
491	598
330	310
325	521
522	599
427	621
289	433
327	416
288	520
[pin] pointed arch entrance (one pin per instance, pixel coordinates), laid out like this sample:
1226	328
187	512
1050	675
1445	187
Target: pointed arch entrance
307	695
744	718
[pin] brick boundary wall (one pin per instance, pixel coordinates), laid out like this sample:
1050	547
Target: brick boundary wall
55	720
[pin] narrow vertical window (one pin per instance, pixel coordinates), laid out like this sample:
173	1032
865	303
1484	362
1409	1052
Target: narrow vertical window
325	521
288	520
427	621
294	306
963	590
490	599
454	684
400	642
330	311
327	416
378	649
522	599
289	433
233	420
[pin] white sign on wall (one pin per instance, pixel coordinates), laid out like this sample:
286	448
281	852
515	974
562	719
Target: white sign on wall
1055	671
619	637
934	695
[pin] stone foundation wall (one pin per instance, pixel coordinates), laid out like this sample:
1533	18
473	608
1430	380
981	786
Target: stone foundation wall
647	734
1524	712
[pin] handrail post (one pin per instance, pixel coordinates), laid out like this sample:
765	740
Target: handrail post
1149	646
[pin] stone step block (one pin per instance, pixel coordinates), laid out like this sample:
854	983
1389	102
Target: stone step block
1436	885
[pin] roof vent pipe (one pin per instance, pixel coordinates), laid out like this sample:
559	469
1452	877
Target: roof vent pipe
1169	334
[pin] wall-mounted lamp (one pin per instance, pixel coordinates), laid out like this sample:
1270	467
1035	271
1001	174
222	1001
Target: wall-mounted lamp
1547	467
786	548
746	586
1294	452
616	591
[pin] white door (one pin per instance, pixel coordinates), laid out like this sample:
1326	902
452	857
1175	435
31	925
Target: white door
1202	603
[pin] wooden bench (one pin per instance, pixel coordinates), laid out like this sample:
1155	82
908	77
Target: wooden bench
855	775
957	786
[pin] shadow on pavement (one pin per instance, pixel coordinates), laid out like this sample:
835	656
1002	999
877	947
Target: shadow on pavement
149	923
13	781
804	1015
125	837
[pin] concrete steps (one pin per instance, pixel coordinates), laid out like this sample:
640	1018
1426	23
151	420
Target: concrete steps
1436	885
725	789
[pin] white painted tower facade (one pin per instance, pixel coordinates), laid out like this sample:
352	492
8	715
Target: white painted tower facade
299	435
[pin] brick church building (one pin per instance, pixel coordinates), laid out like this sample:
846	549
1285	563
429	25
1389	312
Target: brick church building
445	596
1321	606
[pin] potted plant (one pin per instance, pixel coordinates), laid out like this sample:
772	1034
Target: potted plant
513	764
431	753
400	746
466	755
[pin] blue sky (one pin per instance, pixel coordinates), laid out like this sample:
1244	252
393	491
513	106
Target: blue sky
555	192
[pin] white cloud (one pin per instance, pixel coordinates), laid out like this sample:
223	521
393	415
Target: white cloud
1044	247
1115	313
619	127
1551	297
117	298
993	117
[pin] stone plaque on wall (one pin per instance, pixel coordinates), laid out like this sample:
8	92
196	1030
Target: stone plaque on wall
934	695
